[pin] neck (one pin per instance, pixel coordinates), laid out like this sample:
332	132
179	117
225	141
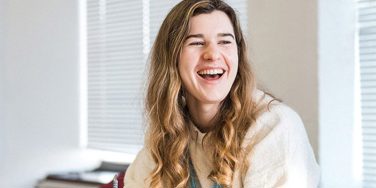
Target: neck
203	114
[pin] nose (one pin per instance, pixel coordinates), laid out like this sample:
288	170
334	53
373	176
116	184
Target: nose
211	53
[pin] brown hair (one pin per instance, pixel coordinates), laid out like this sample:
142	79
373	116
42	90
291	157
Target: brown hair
169	134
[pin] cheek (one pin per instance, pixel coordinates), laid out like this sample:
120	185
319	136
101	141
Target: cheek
236	59
187	61
232	58
234	66
184	67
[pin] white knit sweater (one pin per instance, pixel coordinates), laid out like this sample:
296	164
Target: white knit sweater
281	156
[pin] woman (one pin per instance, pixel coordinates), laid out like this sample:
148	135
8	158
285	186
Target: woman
208	124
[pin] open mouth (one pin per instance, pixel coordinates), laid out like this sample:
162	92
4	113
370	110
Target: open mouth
211	74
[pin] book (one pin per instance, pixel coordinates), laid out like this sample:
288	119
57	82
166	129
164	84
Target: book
96	178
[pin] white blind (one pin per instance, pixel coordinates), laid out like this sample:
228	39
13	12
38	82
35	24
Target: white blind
241	8
115	74
367	57
119	36
158	11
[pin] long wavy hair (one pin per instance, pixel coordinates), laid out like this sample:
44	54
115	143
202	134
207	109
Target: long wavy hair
169	131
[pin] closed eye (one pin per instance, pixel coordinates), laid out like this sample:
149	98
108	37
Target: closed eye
224	42
196	43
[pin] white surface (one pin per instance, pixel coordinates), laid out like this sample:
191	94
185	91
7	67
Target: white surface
2	107
337	100
39	79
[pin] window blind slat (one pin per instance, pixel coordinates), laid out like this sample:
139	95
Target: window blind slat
115	74
367	58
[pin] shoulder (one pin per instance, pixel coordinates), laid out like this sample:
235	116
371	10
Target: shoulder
280	151
138	172
269	134
274	120
272	109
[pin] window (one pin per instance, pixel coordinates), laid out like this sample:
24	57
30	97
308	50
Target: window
115	70
119	37
367	61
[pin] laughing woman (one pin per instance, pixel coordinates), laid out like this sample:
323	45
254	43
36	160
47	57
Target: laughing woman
208	125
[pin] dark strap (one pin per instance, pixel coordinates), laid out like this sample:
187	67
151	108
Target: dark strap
193	179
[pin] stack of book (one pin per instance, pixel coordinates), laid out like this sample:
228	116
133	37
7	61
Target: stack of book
96	178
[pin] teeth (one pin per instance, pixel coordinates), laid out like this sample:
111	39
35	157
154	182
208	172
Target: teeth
210	72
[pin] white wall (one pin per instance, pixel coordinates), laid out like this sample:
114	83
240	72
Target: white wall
1	79
39	82
339	129
283	45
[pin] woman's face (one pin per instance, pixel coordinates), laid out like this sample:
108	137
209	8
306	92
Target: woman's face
208	63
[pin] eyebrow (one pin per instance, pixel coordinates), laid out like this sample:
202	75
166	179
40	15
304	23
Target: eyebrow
226	34
202	36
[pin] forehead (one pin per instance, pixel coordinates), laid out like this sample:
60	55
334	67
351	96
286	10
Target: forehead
214	22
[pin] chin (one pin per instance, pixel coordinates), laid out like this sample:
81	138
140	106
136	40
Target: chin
215	100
